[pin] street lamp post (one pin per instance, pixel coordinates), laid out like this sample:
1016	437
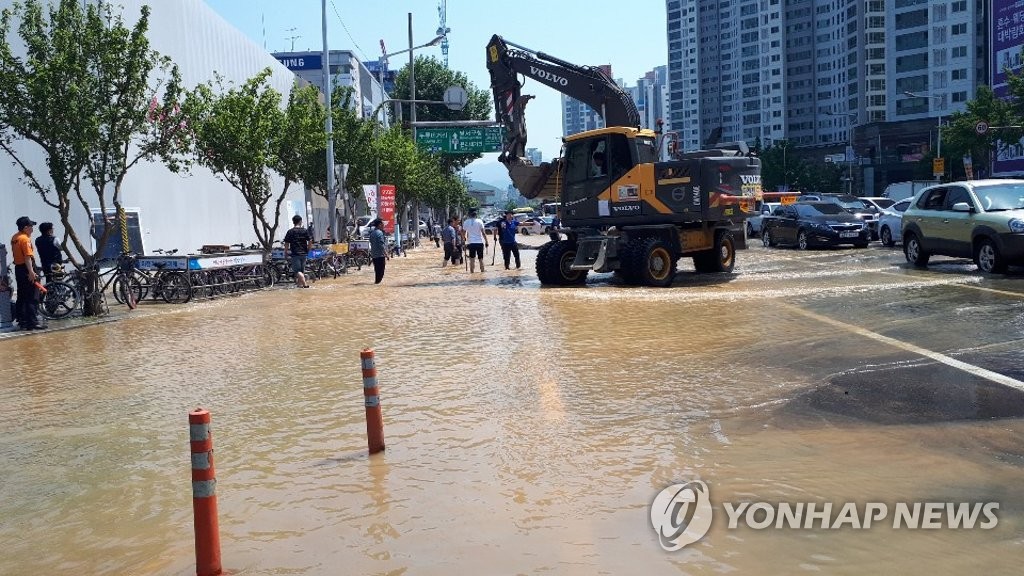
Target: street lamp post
332	199
847	155
381	62
938	129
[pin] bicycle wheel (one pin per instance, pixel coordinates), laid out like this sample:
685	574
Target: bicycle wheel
60	300
174	288
127	290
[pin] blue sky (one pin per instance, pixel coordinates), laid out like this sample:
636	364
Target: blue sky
628	35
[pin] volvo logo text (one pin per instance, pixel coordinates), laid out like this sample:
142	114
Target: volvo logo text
550	76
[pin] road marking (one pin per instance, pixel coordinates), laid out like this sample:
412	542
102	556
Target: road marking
938	357
966	285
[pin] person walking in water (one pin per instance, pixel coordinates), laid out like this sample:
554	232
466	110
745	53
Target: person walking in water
378	249
448	235
297	244
506	236
476	240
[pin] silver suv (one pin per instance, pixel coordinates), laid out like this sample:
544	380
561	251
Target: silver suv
978	219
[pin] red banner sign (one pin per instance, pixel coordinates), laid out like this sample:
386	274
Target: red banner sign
386	207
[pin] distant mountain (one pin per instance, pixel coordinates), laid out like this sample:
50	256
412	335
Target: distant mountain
489	171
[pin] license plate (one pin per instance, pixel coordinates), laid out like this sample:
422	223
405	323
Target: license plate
849	234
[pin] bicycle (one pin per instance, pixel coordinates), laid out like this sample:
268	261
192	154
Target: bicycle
61	297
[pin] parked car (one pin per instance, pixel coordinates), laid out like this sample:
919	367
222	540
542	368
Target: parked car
877	201
862	209
889	223
754	222
978	219
532	226
807	224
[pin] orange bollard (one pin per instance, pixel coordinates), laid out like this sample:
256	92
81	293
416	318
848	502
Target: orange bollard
371	395
204	494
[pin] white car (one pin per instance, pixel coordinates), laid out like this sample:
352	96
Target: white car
754	222
890	221
531	226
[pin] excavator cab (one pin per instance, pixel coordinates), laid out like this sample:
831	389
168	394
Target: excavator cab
605	172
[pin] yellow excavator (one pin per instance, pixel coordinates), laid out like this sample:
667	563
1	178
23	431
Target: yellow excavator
625	210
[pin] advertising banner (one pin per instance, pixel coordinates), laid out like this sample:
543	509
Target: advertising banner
1007	41
386	207
370	193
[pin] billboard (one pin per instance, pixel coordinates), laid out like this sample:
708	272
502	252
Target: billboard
386	207
1006	41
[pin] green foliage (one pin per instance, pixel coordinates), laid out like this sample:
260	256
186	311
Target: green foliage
510	205
94	96
432	79
960	136
243	134
781	165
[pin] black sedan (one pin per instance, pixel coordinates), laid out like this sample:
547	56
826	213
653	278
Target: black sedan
807	224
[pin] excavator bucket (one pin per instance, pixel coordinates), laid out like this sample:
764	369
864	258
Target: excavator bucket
535	181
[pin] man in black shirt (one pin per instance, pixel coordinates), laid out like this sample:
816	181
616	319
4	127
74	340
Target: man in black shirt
48	249
297	244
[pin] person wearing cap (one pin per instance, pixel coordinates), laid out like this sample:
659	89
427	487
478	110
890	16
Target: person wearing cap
26	311
297	244
48	249
506	237
476	239
378	249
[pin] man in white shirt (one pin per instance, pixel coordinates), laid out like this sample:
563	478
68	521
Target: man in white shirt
476	239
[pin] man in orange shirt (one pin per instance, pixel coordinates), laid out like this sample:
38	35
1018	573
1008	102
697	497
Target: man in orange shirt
27	309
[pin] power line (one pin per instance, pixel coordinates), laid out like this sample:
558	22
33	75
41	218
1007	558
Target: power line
354	43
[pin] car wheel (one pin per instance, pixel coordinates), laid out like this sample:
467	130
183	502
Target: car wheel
802	241
750	230
913	251
887	237
988	258
526	232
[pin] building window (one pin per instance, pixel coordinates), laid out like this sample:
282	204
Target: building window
959	74
960	6
959	29
959	96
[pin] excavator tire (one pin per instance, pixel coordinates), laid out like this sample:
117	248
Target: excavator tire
553	262
721	258
630	261
656	264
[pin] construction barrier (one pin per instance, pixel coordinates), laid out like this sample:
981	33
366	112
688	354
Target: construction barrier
371	396
204	494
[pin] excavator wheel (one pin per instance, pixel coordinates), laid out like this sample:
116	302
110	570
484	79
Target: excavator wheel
631	261
656	263
722	258
553	261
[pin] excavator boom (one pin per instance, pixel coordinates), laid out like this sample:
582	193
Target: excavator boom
506	62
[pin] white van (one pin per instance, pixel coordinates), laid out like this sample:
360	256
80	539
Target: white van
900	190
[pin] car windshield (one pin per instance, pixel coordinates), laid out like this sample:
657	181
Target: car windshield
852	203
883	202
812	210
1001	197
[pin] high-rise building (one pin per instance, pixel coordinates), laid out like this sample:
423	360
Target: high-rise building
840	64
651	97
346	70
578	117
535	156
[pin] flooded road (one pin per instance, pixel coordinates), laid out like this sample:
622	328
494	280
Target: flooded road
528	430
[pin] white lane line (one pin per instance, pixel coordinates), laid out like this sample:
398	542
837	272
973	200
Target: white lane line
965	285
938	357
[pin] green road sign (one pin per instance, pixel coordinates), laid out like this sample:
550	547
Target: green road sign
461	140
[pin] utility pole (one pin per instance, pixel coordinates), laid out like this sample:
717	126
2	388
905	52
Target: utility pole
332	194
293	37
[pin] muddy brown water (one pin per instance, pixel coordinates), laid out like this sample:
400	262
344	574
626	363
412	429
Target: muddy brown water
528	429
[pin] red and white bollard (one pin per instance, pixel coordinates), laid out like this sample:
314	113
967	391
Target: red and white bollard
371	395
204	494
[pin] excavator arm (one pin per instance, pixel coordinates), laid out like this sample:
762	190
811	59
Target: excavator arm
507	61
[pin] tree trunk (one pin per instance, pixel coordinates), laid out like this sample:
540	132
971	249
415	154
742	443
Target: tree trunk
93	302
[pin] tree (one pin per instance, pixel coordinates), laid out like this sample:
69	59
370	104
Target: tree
780	166
243	134
353	145
88	93
432	79
961	138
